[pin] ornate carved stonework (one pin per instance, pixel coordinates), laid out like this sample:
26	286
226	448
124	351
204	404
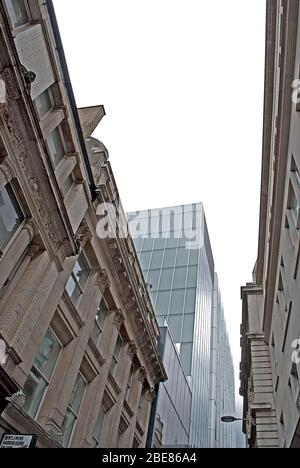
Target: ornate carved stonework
150	395
25	162
132	349
12	90
83	234
103	281
119	319
5	173
142	375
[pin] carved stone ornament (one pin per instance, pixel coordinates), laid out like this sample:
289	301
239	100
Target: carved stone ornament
83	234
142	375
26	165
103	281
150	395
132	349
119	318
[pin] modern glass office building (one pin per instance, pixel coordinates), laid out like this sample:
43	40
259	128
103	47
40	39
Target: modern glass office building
171	411
176	258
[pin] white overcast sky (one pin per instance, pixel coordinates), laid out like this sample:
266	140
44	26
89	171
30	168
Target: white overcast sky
182	83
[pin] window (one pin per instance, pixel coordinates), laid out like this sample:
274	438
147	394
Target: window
156	260
78	279
101	316
166	279
162	303
180	277
73	410
177	302
43	103
192	277
295	171
11	216
41	373
145	259
182	257
188	328
129	383
56	147
98	428
67	185
116	356
190	301
169	260
153	278
294	205
174	323
186	353
17	12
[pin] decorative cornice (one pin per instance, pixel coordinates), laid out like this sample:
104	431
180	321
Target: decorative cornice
33	251
83	234
103	282
132	349
150	395
31	227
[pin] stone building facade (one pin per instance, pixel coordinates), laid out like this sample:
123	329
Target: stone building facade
76	319
271	319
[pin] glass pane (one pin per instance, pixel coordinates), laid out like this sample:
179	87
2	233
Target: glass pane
162	303
17	12
180	277
43	103
192	277
182	257
186	351
67	185
159	243
169	260
118	348
56	147
175	322
148	244
153	278
171	242
77	394
138	243
190	303
156	260
188	328
82	270
73	290
96	334
34	390
166	279
177	302
194	255
99	424
67	428
11	216
48	355
144	260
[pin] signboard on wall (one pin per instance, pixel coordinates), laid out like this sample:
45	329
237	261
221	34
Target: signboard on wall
34	56
10	441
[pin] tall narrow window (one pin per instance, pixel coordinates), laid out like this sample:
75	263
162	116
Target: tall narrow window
101	316
56	147
73	410
294	205
129	383
43	103
41	373
98	428
11	216
78	279
116	356
17	10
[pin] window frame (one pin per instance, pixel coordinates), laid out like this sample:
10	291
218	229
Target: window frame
70	409
28	12
78	286
51	98
41	374
96	440
59	129
15	235
98	326
116	359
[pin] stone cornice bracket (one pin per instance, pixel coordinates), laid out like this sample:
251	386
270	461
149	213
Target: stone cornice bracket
150	395
31	227
142	375
119	319
103	282
83	234
132	349
33	251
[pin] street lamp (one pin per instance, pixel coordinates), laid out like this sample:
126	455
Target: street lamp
230	419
